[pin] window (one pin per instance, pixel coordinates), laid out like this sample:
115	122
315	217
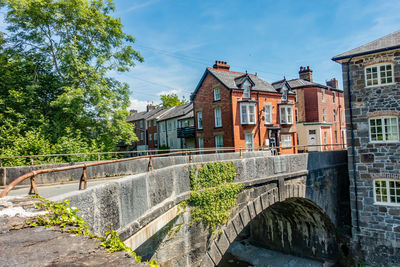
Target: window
323	95
148	123
284	93
295	96
201	142
379	74
249	141
247	113
336	137
169	126
383	129
141	136
334	116
141	124
324	115
162	127
286	140
171	143
296	114
217	117
216	94
286	114
246	90
155	139
199	120
268	114
150	137
219	141
325	138
334	97
387	191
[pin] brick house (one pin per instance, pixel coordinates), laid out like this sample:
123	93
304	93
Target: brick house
145	128
319	112
234	109
371	79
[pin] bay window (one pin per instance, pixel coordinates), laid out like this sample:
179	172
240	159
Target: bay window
286	116
247	113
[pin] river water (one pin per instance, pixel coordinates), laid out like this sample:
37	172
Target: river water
243	254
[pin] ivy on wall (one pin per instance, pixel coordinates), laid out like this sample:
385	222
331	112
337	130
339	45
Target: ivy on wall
213	193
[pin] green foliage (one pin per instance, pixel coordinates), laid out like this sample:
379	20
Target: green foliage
170	100
55	63
213	193
65	218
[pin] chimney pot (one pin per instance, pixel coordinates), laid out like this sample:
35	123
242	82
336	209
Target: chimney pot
221	65
305	73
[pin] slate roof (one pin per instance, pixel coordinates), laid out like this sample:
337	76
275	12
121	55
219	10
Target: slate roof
177	112
144	115
229	79
388	42
300	83
159	114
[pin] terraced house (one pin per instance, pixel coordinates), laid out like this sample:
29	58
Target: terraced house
371	79
235	109
319	112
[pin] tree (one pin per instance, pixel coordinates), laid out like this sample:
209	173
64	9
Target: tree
62	53
170	100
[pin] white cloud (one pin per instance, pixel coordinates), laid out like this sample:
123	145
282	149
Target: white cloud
138	6
173	91
139	105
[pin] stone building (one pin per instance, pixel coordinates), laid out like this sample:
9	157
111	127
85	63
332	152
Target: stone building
371	79
235	109
319	112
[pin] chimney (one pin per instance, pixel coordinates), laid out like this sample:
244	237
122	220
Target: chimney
221	65
305	73
150	107
133	111
333	83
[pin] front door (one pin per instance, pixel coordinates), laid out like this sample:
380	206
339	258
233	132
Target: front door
312	140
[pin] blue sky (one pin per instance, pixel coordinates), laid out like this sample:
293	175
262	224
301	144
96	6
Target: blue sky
179	39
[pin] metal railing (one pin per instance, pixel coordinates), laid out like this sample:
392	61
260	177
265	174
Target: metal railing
186	152
83	179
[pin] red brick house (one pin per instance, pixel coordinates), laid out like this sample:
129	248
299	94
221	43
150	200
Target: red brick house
319	113
234	109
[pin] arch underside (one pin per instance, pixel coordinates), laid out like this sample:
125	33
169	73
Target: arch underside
288	222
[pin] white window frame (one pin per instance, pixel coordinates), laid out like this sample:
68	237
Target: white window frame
323	95
249	142
286	117
379	73
379	198
246	117
268	115
218	117
246	90
219	141
382	118
217	94
199	120
286	140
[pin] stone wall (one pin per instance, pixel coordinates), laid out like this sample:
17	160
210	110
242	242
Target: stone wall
376	240
9	174
134	203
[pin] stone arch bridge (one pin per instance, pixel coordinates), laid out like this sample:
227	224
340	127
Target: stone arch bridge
291	203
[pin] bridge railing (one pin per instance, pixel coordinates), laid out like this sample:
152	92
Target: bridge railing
83	179
151	154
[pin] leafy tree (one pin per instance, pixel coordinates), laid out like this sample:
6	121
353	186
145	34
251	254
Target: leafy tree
55	64
170	100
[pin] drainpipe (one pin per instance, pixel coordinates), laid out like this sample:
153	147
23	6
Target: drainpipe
352	145
259	120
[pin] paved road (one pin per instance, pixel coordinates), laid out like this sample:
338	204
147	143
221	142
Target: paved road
49	191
